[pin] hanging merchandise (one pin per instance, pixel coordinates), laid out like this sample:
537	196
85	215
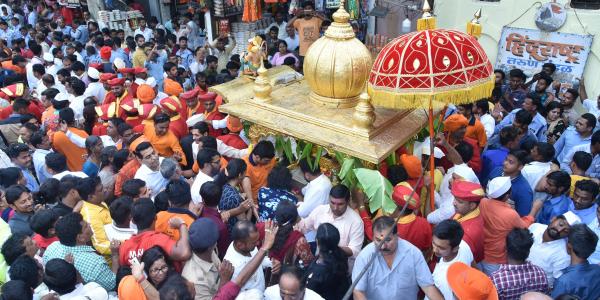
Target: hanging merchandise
252	11
294	6
224	27
354	9
226	8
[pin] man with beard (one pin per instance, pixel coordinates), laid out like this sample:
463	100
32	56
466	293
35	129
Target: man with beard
584	204
549	249
118	94
209	161
164	140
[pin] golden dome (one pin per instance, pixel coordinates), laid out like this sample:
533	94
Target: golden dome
337	65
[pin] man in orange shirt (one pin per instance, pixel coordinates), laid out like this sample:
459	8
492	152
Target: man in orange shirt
475	129
499	218
308	24
17	64
259	162
62	144
178	192
163	140
455	128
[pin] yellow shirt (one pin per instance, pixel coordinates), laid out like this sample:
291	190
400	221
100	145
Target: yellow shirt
139	58
97	216
574	179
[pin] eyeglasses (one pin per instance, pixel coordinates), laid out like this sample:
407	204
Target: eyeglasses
162	269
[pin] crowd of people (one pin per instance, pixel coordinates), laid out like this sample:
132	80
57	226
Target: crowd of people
120	178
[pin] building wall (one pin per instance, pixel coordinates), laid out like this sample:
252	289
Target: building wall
456	13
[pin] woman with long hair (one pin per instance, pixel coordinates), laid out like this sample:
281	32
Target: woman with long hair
556	123
328	274
290	246
229	179
94	146
49	192
107	169
279	184
148	275
90	118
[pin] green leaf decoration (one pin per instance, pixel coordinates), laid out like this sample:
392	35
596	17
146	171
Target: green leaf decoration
317	158
287	150
377	188
306	154
346	173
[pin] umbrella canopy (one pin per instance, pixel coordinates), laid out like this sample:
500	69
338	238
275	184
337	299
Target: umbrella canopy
438	66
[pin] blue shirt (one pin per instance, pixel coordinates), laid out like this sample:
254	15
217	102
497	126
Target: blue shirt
492	159
569	139
156	69
538	126
521	192
553	207
32	183
582	280
587	215
595	257
81	34
90	168
186	57
120	53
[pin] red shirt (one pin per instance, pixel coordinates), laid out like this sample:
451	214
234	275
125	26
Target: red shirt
178	127
233	140
137	244
43	242
99	129
472	225
412	228
214	116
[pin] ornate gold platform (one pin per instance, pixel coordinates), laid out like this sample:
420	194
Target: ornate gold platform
292	113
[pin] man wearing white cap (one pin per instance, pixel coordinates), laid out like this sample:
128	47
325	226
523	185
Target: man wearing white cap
159	94
95	88
499	218
460	171
51	68
549	249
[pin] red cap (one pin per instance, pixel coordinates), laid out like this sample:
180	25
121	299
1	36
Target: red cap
189	95
207	96
116	81
97	66
467	191
126	70
170	105
139	70
105	52
402	194
105	77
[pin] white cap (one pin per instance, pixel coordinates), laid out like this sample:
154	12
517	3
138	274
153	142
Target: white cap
92	291
437	152
48	57
465	172
571	218
498	187
93	73
191	121
151	82
63	97
119	63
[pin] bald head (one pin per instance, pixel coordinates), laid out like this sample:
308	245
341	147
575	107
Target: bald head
535	296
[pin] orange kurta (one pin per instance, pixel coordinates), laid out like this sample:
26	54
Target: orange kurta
258	174
165	145
127	172
75	155
162	222
476	131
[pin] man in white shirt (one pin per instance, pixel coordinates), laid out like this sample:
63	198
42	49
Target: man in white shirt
292	39
56	165
549	250
95	88
149	170
281	24
482	110
315	193
41	143
345	219
542	155
143	30
120	212
31	79
291	284
35	82
450	248
245	237
209	161
77	98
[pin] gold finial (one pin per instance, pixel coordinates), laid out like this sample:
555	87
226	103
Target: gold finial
427	21
340	28
262	84
364	115
474	27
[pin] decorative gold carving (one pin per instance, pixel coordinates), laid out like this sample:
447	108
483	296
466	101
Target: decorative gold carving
364	115
262	85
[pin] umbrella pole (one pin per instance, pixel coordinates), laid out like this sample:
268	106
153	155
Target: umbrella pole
431	159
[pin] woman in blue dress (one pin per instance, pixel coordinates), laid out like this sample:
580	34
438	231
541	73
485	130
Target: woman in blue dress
279	184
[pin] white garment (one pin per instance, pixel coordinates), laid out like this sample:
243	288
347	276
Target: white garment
441	269
239	261
591	106
566	161
90	290
489	124
551	256
292	43
116	233
196	67
534	171
193	34
272	293
315	193
281	34
159	96
95	89
107	141
200	179
147	33
77	106
154	179
444	201
60	175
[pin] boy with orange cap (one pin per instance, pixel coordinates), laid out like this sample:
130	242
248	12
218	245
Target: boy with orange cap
211	112
455	128
233	139
466	205
412	228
